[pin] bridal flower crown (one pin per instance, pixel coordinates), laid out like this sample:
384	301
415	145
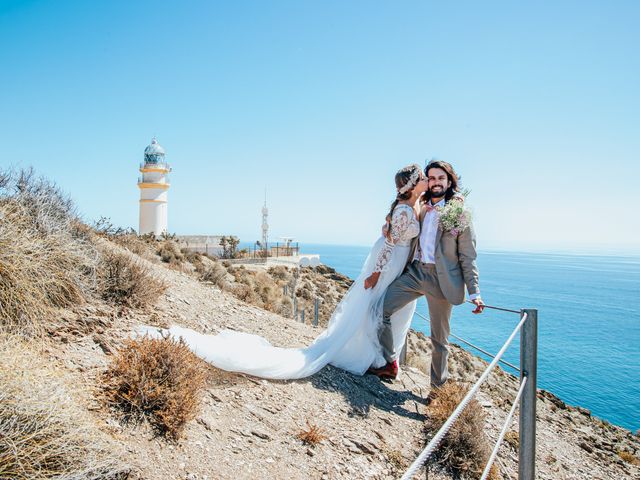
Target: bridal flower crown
412	182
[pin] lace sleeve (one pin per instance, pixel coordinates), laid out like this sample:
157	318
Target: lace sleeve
399	223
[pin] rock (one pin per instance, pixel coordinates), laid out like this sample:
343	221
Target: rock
584	411
364	448
585	447
261	434
204	423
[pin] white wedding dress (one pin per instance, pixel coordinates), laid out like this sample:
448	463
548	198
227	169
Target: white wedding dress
350	341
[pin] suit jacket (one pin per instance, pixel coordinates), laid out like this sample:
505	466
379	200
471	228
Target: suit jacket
455	258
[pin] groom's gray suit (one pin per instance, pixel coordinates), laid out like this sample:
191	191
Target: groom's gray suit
442	283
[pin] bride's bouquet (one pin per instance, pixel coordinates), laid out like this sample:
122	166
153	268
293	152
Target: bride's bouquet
454	217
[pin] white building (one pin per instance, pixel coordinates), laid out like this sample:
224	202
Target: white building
153	184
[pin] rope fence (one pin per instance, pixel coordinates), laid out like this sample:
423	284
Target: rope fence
505	427
525	398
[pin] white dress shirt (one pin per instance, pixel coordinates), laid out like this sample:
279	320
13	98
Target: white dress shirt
427	251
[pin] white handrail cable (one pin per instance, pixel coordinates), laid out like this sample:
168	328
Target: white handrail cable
492	457
482	350
437	438
466	342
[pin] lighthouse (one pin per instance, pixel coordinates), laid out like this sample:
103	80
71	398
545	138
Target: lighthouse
153	184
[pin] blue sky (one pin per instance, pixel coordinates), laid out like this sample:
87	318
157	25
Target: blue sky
536	105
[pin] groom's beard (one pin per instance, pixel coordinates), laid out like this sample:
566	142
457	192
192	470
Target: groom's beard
437	194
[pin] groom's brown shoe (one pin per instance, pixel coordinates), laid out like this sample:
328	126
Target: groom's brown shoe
390	370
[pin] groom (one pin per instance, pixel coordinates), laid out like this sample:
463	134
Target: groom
439	267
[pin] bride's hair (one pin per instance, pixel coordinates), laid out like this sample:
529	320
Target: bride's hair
406	180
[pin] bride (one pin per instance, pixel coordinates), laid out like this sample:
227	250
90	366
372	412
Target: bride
350	341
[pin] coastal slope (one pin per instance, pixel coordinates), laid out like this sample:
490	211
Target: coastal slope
247	427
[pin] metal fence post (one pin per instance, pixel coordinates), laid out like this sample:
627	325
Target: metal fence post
528	368
315	312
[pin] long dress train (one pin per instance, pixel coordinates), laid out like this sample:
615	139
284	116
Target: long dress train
350	340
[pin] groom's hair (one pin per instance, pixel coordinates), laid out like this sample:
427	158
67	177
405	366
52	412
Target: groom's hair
451	175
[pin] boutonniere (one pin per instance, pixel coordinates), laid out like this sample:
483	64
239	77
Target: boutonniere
454	217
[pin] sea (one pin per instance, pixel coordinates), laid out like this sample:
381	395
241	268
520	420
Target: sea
588	321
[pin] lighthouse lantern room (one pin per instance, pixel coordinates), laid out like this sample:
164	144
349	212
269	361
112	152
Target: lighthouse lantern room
153	184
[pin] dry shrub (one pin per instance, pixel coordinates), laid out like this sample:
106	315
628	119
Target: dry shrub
280	273
312	435
257	288
464	451
170	253
157	379
191	255
629	457
265	289
269	292
127	282
140	245
245	293
46	261
215	273
45	433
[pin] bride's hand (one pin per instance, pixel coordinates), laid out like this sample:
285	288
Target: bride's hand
385	231
371	280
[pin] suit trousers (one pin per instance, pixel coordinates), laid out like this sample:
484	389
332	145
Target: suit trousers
420	279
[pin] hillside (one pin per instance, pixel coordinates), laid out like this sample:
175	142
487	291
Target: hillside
246	427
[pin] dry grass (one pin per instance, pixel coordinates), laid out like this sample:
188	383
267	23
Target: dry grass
629	457
46	261
45	433
125	281
312	435
140	245
157	379
512	438
464	451
396	460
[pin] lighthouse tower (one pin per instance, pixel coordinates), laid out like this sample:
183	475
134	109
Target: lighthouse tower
153	184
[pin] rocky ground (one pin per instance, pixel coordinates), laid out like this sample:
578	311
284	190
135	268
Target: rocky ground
247	427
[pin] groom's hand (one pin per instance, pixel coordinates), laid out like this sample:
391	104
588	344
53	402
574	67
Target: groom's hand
371	280
479	305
